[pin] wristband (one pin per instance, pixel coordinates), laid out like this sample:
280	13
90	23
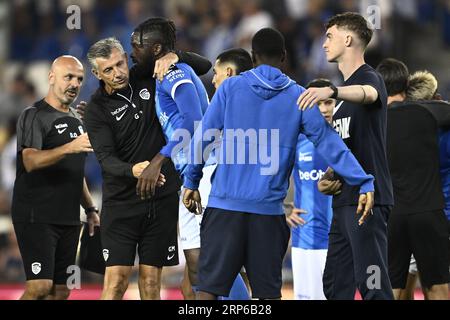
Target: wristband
90	210
335	92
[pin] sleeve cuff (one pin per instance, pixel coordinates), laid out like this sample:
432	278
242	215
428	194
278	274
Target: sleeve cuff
165	153
190	184
368	186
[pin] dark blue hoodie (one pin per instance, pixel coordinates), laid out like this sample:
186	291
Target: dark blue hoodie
259	122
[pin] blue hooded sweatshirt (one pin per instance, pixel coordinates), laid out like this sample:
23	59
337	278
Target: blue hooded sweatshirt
256	119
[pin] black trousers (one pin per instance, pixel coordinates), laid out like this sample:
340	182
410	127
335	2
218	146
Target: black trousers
357	256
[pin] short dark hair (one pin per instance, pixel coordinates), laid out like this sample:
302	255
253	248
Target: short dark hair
268	43
353	22
319	83
162	29
237	56
395	75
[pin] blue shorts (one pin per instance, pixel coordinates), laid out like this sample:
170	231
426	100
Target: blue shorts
230	240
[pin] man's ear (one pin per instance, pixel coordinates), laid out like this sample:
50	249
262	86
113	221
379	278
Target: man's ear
51	78
230	72
348	40
126	58
254	57
157	48
283	57
95	73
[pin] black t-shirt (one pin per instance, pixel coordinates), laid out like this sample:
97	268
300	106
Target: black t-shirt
363	129
124	130
50	195
413	153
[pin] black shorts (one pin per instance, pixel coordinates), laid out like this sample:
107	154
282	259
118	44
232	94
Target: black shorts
47	250
153	233
230	240
425	235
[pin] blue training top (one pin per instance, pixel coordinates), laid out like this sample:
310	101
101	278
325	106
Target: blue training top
257	117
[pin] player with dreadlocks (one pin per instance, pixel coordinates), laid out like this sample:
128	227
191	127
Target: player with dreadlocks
181	100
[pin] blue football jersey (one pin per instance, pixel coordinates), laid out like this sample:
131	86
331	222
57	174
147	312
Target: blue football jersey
309	168
179	112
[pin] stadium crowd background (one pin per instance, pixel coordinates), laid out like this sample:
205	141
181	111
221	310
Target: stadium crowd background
33	33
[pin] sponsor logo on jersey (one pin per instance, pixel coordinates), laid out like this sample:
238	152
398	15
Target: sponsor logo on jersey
119	110
118	118
336	109
342	126
305	157
313	175
163	118
61	127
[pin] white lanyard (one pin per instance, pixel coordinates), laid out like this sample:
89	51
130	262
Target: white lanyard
131	96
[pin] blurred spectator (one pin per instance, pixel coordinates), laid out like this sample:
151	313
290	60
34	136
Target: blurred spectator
47	46
446	21
253	19
22	31
8	162
316	64
346	5
20	94
297	9
11	269
222	36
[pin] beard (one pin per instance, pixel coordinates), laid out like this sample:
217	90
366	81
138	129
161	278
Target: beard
68	99
145	66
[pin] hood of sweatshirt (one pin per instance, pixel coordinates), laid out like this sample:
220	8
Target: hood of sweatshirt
267	81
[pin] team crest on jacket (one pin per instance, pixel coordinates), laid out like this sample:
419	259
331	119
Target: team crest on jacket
144	94
36	267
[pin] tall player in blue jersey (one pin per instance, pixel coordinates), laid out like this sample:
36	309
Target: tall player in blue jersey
310	231
181	100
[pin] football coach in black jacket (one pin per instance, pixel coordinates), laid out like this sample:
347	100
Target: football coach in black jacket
126	136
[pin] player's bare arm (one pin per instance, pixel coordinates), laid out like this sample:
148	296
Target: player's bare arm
354	94
34	159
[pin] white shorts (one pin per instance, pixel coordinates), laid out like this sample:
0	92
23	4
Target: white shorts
307	270
189	223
